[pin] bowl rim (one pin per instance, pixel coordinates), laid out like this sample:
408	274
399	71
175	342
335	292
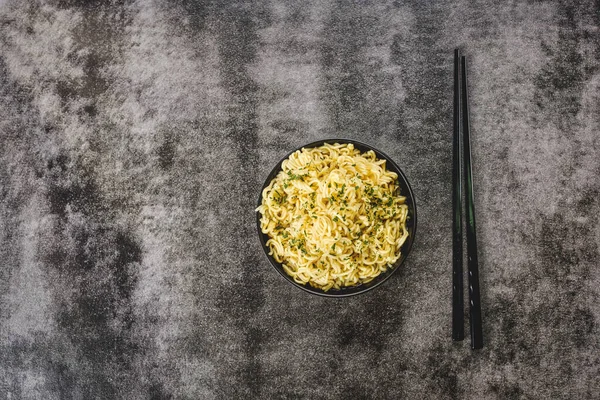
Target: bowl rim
406	247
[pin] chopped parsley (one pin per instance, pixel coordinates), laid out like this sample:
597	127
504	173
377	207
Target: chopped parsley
296	177
278	197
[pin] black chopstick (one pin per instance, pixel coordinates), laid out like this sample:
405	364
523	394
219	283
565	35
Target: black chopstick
472	261
458	329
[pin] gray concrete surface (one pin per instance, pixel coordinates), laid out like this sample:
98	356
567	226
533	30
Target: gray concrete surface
134	138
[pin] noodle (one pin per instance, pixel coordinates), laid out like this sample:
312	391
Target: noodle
334	217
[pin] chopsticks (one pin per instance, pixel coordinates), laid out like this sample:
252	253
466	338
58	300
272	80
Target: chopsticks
458	329
461	102
472	261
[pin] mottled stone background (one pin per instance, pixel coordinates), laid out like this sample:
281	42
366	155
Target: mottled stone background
134	138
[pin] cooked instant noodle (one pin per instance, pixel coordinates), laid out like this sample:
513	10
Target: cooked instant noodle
334	216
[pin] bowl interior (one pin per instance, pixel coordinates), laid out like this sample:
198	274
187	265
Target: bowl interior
411	223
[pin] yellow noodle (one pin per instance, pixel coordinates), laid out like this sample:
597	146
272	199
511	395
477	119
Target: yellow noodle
334	216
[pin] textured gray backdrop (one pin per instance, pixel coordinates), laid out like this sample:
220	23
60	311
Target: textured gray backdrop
134	137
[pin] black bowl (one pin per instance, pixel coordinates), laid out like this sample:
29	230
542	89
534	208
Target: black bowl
411	224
